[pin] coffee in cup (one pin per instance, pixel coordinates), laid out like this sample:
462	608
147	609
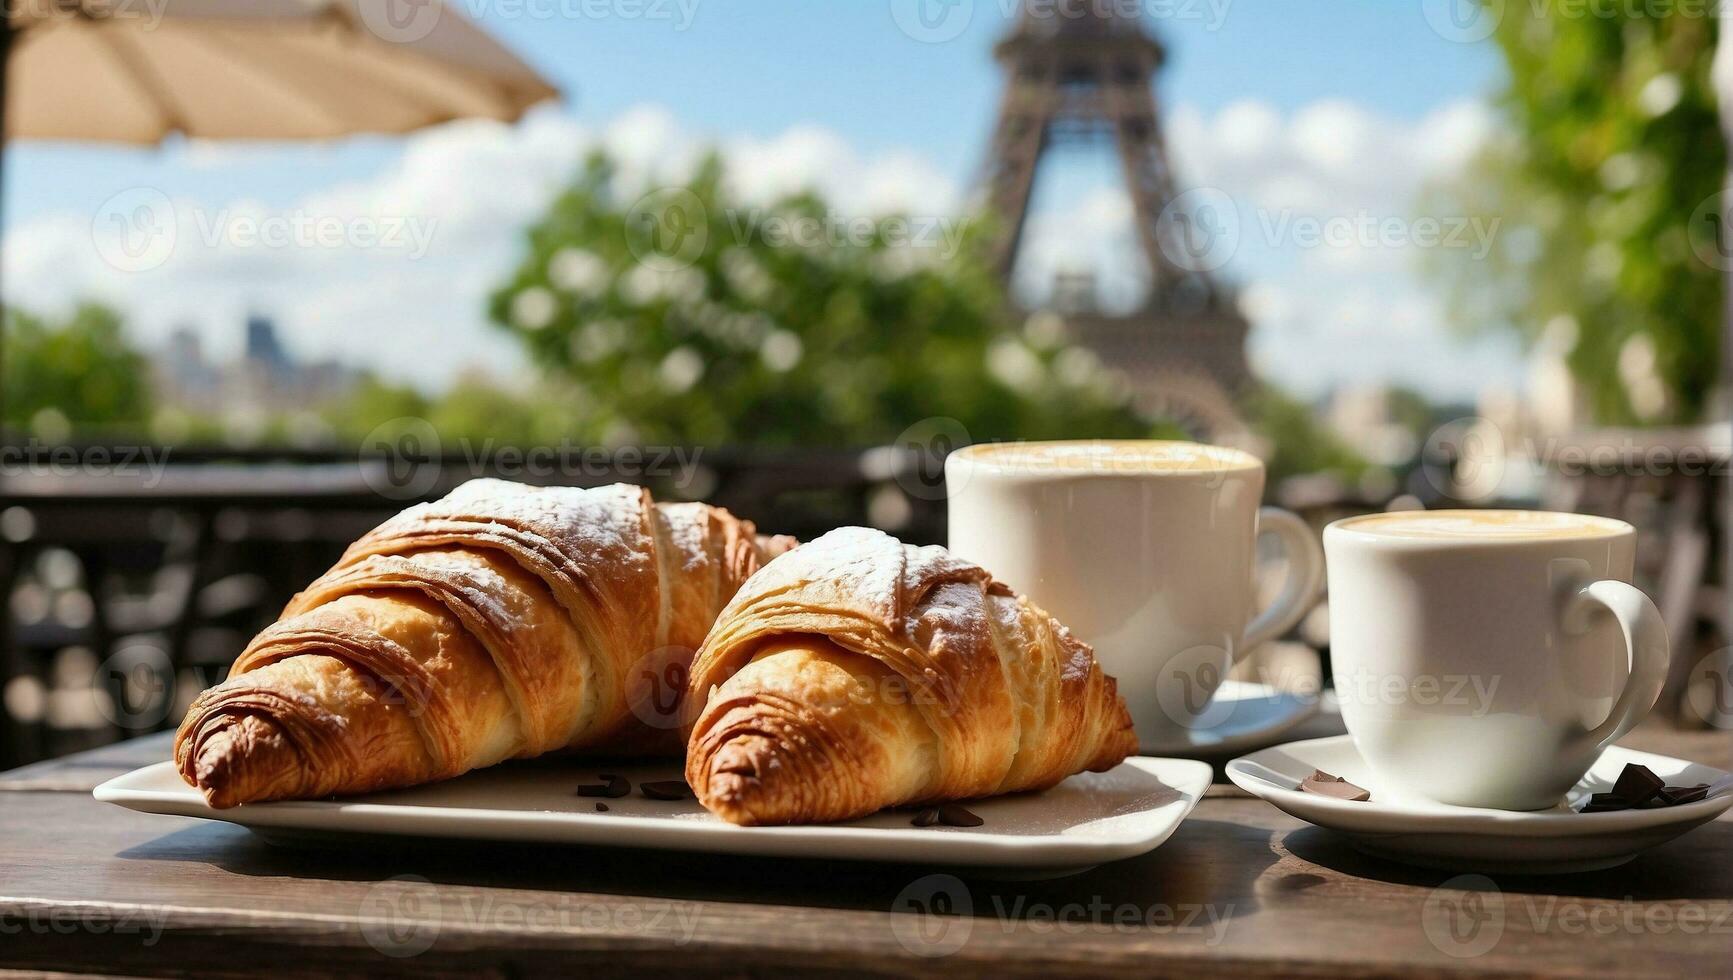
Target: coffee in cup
1486	658
1146	549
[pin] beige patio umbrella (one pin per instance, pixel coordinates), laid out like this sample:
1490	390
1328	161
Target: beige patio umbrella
134	71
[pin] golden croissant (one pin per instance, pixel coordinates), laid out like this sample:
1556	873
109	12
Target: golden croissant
501	622
856	673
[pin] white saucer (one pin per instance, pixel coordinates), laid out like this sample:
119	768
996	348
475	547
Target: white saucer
1089	819
1243	716
1459	838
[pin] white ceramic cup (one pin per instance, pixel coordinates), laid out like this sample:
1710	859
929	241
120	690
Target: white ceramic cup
1485	658
1147	550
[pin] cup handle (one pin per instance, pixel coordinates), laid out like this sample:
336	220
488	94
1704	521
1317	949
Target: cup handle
1305	578
1646	642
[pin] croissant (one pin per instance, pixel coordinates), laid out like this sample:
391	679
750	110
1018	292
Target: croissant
856	673
501	622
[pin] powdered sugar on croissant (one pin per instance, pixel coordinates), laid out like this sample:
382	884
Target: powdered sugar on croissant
503	621
857	672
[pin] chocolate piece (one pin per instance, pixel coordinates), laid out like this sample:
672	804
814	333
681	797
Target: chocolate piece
1339	789
601	808
927	817
1635	781
1637	785
1335	787
613	789
1686	794
952	815
668	789
1603	803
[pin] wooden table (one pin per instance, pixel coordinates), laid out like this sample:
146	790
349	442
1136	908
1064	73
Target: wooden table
1240	889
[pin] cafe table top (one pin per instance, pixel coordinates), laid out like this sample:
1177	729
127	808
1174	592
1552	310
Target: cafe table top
1239	889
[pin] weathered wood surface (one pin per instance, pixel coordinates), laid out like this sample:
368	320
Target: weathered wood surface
1241	888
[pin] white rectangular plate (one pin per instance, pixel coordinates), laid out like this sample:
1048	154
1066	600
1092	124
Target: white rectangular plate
1089	819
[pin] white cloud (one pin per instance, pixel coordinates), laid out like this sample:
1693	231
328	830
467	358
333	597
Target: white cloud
1327	255
1094	235
408	312
813	158
1322	315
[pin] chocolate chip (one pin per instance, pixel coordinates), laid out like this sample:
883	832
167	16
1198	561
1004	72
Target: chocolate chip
601	808
1637	785
668	789
613	789
927	817
1322	783
952	815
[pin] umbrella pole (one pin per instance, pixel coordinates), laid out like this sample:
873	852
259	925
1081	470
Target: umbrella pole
11	730
6	33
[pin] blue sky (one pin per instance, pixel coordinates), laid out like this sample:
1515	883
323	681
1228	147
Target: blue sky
759	66
1372	71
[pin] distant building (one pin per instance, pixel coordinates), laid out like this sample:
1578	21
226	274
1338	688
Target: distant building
1556	404
263	348
266	379
184	377
1364	417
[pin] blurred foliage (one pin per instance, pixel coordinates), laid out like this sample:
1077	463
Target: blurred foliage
1613	160
77	371
691	317
1298	440
475	410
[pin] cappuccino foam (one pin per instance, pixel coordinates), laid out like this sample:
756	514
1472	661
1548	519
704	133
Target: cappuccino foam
1482	525
1110	456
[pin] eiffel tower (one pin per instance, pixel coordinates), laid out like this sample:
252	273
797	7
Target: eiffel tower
1083	73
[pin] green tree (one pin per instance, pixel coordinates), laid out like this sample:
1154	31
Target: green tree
371	403
79	371
689	317
474	410
1605	189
